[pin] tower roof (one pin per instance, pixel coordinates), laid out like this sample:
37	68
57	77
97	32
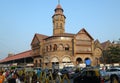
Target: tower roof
58	6
58	10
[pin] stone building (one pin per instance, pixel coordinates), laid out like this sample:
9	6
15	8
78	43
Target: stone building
64	49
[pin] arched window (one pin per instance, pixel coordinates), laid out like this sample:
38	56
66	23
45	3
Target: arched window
36	62
56	25
54	59
50	48
60	47
66	60
60	25
79	60
55	47
46	48
66	47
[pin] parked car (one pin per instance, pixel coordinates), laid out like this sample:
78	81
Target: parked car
114	73
105	76
91	76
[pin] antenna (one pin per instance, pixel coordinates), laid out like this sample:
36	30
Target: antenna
58	1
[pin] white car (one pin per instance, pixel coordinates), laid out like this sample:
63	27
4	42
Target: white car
114	74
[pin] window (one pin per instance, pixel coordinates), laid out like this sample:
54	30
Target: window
56	25
60	47
50	48
47	48
66	47
40	62
55	47
60	25
36	63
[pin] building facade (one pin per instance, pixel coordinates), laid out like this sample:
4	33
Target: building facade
64	49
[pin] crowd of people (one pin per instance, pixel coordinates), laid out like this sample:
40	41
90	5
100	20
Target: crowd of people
31	76
18	76
25	76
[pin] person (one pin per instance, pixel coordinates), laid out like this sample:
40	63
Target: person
27	77
34	78
2	77
14	79
38	73
22	77
17	78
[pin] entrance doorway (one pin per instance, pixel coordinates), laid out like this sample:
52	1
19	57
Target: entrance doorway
55	63
78	61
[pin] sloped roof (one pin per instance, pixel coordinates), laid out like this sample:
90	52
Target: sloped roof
18	56
57	12
97	43
40	37
105	44
83	29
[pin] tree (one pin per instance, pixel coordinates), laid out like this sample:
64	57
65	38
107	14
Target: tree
112	55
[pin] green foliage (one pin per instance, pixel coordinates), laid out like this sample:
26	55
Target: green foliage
13	67
112	55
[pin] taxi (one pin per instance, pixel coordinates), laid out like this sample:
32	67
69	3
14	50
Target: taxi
91	76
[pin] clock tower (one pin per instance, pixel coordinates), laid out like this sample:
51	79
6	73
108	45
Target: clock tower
58	20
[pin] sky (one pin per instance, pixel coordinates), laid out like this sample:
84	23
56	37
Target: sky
21	19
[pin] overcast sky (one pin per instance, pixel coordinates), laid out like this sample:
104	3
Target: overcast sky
21	19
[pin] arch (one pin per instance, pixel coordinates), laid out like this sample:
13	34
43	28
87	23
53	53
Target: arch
36	61
60	47
86	58
50	47
66	59
55	59
46	60
79	60
46	48
55	47
56	25
66	47
55	62
60	25
40	62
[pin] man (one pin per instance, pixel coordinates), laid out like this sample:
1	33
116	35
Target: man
34	78
2	77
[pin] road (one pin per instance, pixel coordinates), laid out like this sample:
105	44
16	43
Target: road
65	81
